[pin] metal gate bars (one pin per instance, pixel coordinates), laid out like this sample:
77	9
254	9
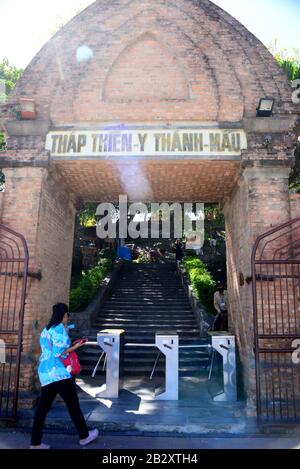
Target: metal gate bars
13	278
276	306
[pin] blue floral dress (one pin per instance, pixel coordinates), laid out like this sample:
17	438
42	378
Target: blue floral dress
53	342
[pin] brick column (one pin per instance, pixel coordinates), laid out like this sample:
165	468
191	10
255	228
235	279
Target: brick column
295	205
259	202
38	206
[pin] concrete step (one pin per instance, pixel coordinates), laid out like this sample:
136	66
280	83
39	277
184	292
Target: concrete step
140	371
150	339
145	297
145	316
162	288
144	300
146	313
140	327
131	355
140	306
136	302
123	319
168	285
153	308
90	363
150	330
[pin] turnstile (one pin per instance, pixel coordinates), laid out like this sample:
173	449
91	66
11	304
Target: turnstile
2	352
112	343
224	344
167	343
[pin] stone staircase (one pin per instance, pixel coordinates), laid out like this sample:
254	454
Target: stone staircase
145	299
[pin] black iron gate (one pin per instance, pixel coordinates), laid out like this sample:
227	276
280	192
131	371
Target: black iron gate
276	301
13	278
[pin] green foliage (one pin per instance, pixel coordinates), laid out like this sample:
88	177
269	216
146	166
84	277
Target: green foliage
291	66
143	259
214	219
213	214
2	142
295	174
108	253
2	181
106	264
9	75
289	63
201	280
88	285
87	215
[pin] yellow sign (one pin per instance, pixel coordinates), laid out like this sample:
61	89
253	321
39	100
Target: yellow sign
154	142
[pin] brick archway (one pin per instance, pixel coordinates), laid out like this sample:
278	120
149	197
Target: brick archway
223	72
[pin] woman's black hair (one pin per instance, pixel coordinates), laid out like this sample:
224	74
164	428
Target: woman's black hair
59	310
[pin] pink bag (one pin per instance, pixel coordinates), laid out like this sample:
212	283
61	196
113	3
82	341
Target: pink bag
72	361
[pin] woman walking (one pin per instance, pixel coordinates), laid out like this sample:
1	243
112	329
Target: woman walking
56	379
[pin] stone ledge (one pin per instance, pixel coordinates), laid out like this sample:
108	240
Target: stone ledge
25	128
9	163
269	124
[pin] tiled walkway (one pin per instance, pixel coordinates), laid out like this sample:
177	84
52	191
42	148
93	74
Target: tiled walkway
137	412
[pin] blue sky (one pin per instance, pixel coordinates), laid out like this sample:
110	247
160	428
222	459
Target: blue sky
23	34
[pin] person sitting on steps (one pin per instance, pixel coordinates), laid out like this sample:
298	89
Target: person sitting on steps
221	306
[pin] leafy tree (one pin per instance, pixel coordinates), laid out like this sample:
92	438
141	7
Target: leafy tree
2	142
289	63
291	66
87	215
2	177
295	174
9	75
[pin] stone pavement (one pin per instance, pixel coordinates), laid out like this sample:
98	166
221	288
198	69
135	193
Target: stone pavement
195	413
20	440
137	421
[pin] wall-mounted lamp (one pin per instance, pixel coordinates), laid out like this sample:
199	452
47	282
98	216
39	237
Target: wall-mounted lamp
265	107
27	109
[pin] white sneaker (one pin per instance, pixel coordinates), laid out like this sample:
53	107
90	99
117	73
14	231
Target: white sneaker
93	435
41	446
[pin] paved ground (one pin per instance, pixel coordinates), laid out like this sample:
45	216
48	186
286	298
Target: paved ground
137	421
137	412
18	440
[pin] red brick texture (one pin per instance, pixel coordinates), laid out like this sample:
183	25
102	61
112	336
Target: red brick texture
154	62
183	59
259	202
37	206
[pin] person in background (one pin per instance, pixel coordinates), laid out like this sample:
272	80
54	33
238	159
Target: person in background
56	379
179	251
221	306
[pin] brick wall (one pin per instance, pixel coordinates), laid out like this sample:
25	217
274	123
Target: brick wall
185	60
1	202
259	202
37	205
295	205
153	61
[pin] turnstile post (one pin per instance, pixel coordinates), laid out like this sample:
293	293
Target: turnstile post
112	343
167	343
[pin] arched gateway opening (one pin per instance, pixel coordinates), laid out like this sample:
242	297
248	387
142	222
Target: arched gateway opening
158	101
